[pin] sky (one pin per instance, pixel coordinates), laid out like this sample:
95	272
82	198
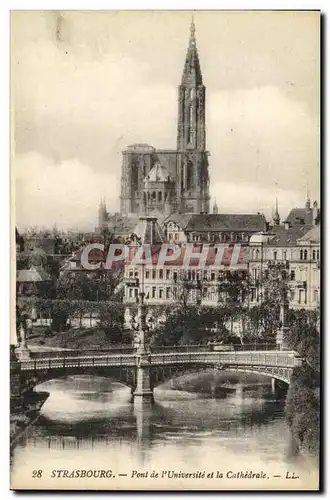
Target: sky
84	84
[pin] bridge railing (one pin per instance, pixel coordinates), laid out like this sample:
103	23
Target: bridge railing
69	353
125	349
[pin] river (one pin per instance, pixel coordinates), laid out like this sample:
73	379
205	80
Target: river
90	423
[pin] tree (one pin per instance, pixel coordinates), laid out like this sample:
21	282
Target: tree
303	335
273	294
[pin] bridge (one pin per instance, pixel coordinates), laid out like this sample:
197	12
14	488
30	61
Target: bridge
142	370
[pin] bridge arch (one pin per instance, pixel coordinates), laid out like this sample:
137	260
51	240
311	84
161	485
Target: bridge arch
125	376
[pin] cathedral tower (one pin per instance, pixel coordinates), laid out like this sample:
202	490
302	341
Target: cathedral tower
194	179
186	188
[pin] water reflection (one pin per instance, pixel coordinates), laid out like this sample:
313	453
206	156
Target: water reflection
95	416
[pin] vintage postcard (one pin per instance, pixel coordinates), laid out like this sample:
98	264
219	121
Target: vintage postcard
165	215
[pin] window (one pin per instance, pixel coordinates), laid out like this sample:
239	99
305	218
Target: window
254	273
168	274
205	275
153	274
175	293
161	274
147	274
136	274
257	254
131	274
136	293
305	254
317	254
168	293
212	276
170	236
314	255
301	254
253	294
159	196
292	275
190	125
130	292
284	255
175	276
153	293
316	295
176	236
300	299
292	295
274	255
161	293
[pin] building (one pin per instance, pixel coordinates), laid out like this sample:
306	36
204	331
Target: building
304	216
34	281
213	228
167	283
158	182
298	249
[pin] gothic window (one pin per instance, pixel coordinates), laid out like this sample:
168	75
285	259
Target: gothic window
305	254
190	124
190	175
314	254
301	254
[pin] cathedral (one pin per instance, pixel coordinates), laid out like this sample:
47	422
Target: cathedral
159	182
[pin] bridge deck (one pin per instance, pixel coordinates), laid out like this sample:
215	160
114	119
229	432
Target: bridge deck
285	359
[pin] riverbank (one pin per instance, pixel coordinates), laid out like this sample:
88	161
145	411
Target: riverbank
22	416
303	409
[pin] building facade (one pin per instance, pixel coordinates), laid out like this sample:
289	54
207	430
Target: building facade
213	228
158	182
297	248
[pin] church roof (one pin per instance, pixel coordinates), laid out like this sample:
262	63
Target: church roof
281	236
299	216
158	173
192	72
149	231
218	222
312	236
226	222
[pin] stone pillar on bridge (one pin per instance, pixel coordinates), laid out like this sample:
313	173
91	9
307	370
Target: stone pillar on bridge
143	392
22	352
282	333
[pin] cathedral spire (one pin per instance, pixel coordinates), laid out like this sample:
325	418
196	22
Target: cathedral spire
276	216
192	74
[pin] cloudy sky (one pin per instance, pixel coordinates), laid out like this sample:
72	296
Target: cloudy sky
87	83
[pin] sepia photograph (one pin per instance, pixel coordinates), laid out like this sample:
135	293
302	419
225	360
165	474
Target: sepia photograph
165	258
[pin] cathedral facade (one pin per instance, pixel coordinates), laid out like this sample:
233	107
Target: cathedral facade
159	182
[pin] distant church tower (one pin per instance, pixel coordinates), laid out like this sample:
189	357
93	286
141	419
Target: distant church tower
194	180
180	182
